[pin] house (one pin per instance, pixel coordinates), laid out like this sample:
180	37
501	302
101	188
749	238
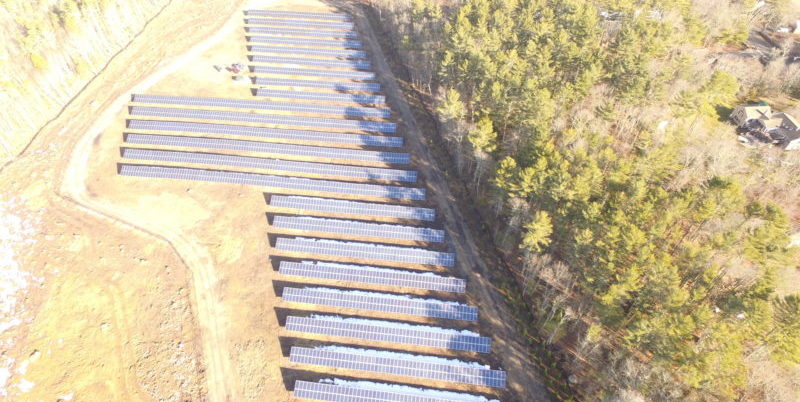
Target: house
760	122
744	114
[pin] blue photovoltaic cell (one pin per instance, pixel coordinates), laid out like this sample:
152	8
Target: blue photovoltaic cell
358	228
366	251
339	53
347	75
298	14
267	147
283	40
321	169
326	33
299	24
373	330
311	83
273	182
357	111
320	391
382	302
403	365
302	62
320	96
352	207
373	275
319	122
267	133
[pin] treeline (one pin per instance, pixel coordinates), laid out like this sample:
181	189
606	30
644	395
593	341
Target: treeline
571	121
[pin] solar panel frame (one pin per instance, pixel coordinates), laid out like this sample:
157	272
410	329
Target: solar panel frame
299	24
407	367
380	303
267	147
319	391
267	133
298	14
378	332
321	96
359	228
315	52
303	62
276	119
272	181
352	207
325	33
319	169
310	72
372	275
310	83
366	251
315	43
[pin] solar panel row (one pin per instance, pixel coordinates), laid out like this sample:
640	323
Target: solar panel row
410	366
366	251
320	391
267	147
372	330
385	303
267	133
358	228
279	183
340	53
352	207
283	120
299	24
311	83
298	14
282	40
327	33
320	169
320	96
302	62
373	275
348	75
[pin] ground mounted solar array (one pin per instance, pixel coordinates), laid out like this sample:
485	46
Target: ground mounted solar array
340	74
352	207
320	96
298	15
327	391
299	24
373	330
333	85
403	365
302	62
331	33
282	40
372	275
305	51
382	302
358	228
366	251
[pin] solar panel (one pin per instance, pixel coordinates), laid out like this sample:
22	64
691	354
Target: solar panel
302	62
299	24
267	147
298	14
267	133
358	111
383	302
401	364
366	251
357	228
321	169
373	275
310	83
382	331
352	207
349	75
314	52
358	125
322	391
283	40
273	182
326	33
320	96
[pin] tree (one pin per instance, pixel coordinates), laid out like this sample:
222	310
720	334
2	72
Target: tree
537	232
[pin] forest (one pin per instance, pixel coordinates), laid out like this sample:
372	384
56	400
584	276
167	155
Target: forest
594	136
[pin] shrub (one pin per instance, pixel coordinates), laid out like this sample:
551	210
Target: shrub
39	62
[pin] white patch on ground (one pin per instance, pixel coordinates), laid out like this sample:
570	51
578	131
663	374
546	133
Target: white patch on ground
385	295
405	356
405	389
393	324
25	386
66	397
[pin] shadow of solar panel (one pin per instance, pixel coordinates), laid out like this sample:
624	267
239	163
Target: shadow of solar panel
283	120
298	14
373	330
311	83
319	391
373	275
326	33
283	40
340	53
356	111
352	207
367	251
351	64
274	182
299	24
321	169
386	303
358	228
349	75
270	133
411	366
320	96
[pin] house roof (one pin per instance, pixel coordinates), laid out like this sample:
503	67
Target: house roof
756	111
